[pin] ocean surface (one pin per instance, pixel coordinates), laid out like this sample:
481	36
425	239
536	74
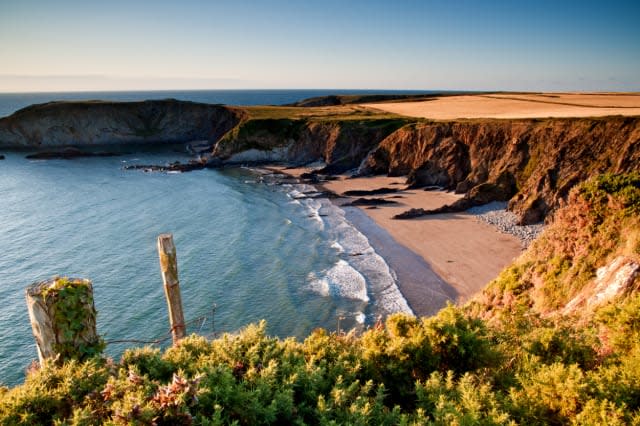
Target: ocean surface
248	246
11	102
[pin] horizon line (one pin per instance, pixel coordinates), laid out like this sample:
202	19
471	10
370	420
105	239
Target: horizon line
433	91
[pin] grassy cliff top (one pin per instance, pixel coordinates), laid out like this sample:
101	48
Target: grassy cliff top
319	113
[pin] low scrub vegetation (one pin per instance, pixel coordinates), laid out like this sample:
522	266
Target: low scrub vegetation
449	369
496	361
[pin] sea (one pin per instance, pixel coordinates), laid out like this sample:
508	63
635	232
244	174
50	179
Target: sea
250	246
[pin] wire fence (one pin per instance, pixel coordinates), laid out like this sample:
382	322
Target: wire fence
203	325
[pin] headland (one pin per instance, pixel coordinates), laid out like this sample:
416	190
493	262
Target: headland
525	149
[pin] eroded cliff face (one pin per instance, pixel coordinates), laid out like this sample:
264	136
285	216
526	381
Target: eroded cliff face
342	144
587	257
58	124
532	163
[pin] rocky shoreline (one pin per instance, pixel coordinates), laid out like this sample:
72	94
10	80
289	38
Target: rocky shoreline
497	215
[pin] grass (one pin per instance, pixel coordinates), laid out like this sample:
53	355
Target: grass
600	223
330	113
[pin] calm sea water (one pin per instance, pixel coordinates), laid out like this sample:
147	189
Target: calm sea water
253	248
11	102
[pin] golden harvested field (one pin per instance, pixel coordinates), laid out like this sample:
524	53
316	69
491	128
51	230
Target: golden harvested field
517	105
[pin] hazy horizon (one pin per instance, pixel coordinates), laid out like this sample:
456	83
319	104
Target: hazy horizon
73	46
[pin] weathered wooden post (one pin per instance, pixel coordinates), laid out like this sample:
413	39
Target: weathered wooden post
169	269
63	318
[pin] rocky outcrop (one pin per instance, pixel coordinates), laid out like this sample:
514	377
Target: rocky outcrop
333	100
532	163
68	154
612	281
340	144
57	124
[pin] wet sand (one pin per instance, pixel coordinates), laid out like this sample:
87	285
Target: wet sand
425	291
436	258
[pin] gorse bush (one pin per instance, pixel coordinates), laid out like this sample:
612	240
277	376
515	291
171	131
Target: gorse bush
449	369
503	359
601	221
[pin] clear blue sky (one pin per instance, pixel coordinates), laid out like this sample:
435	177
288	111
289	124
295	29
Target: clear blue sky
475	45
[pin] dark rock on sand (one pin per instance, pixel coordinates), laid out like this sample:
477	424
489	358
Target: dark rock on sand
411	214
371	202
502	190
379	191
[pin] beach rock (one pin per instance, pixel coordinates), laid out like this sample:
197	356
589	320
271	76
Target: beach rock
171	167
378	191
411	214
68	154
533	163
371	202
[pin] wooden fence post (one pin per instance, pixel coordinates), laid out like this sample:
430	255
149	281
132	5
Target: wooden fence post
169	269
63	318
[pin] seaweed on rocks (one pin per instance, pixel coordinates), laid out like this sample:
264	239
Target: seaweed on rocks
171	167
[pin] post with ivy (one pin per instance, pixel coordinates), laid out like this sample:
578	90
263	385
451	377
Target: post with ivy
169	270
63	319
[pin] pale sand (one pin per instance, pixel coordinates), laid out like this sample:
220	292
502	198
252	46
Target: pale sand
466	253
507	105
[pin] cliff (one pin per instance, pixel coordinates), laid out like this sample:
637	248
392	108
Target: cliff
554	340
531	163
342	144
87	123
587	258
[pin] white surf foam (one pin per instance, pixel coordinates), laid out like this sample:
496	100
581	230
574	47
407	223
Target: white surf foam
360	273
378	280
336	245
341	281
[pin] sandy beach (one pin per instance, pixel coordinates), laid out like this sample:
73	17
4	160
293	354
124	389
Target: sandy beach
463	251
515	105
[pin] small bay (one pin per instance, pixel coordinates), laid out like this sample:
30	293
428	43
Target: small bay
249	248
242	245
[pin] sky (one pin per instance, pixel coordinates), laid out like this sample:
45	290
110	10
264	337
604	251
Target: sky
560	45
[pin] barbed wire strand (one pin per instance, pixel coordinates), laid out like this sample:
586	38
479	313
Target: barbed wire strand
166	336
341	315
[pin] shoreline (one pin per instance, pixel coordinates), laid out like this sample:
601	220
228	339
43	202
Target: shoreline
438	259
462	252
423	289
